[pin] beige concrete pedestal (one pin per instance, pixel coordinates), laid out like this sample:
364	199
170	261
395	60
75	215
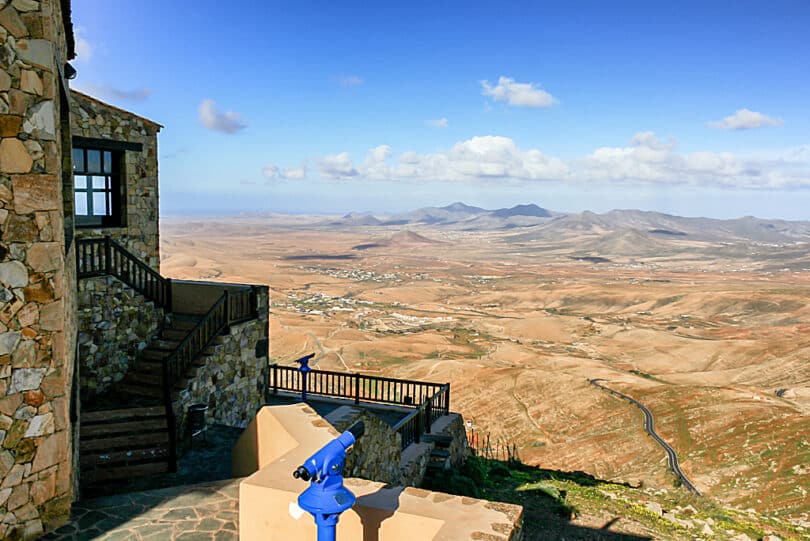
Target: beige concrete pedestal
282	437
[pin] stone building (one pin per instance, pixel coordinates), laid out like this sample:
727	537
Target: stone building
98	351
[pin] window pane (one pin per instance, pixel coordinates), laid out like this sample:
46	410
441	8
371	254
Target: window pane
80	182
99	183
81	204
94	161
100	204
78	159
108	162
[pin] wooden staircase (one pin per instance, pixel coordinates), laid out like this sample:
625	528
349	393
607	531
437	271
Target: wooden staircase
145	378
123	443
136	435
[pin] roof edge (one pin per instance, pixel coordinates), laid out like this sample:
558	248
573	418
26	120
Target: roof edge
67	22
105	104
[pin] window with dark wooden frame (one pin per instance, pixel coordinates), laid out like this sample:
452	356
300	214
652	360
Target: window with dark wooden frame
97	187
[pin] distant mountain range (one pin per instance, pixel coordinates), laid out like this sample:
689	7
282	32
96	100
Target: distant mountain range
627	232
454	214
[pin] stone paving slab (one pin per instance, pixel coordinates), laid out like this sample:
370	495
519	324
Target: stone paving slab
204	512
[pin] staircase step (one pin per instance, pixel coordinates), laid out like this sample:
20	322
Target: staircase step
123	457
129	441
438	465
154	354
140	390
121	414
439	453
440	440
174	334
149	365
184	321
164	344
125	427
146	378
125	472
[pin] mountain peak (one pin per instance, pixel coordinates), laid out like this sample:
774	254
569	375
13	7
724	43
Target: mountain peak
522	210
458	206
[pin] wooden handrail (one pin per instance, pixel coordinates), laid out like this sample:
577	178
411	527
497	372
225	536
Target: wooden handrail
105	256
181	358
428	400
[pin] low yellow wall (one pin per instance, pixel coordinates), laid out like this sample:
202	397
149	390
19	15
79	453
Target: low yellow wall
282	437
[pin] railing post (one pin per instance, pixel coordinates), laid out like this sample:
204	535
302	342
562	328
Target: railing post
107	254
167	292
428	415
417	432
170	420
357	388
227	310
447	399
275	379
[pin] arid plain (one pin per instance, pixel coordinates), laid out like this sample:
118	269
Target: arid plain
713	337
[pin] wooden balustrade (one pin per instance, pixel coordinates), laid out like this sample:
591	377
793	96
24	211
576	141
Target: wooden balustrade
104	256
429	400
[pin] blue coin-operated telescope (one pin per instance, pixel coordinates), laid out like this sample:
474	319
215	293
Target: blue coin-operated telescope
326	498
305	370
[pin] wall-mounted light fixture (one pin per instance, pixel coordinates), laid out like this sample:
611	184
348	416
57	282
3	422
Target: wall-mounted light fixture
70	72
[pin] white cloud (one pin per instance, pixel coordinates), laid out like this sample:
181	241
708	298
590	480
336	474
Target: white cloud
648	160
213	119
517	94
437	123
645	160
294	173
84	51
337	166
350	80
271	171
745	119
484	157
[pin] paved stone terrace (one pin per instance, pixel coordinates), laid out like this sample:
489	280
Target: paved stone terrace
205	512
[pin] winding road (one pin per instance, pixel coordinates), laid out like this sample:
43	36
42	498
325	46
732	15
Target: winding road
649	427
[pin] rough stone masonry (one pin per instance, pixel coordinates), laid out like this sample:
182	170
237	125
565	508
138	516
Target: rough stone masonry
37	278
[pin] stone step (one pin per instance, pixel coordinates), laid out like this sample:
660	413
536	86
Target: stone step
441	440
439	453
439	464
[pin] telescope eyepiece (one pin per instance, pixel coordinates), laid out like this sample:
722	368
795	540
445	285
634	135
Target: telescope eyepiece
358	429
301	473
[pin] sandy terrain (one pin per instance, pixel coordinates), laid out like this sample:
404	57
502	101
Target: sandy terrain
716	348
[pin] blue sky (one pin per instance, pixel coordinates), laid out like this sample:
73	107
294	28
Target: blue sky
303	106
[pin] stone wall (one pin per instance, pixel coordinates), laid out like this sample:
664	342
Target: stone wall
37	286
453	425
115	323
233	379
413	464
376	455
98	120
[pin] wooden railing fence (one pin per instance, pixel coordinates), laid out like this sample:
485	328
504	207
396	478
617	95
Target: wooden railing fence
428	400
104	256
